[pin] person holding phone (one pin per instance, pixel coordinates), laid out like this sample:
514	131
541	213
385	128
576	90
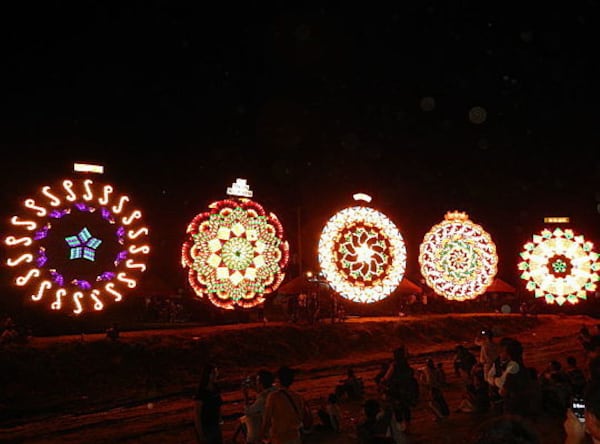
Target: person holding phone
582	422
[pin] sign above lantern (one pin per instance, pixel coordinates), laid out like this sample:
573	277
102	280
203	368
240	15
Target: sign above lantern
235	253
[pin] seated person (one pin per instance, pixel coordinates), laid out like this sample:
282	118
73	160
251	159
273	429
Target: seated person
464	361
352	386
477	398
330	415
373	429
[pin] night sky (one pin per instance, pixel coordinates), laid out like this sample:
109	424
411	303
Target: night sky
489	109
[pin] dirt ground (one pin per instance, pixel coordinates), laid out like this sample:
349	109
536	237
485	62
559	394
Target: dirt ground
158	409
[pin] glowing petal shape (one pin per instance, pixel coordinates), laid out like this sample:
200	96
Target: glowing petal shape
561	266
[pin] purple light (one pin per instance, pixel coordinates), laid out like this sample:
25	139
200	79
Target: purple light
41	234
57	214
106	276
83	284
81	206
121	257
41	260
57	278
121	232
107	215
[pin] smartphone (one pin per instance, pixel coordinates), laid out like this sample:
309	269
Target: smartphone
578	407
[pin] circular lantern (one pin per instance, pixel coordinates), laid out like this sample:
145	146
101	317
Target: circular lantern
458	258
235	252
77	243
559	266
362	254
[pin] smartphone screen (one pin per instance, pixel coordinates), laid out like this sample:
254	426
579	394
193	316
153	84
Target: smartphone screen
578	407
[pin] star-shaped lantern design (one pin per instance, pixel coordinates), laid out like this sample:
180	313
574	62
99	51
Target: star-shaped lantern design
83	245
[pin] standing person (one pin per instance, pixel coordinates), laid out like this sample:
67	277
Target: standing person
514	384
488	351
253	411
400	385
207	407
284	412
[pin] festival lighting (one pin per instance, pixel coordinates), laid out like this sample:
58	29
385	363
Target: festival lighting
71	247
559	266
235	253
362	254
458	258
88	168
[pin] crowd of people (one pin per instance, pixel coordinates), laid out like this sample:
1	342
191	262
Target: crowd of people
496	381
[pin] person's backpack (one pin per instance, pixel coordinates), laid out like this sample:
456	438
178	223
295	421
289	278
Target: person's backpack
306	416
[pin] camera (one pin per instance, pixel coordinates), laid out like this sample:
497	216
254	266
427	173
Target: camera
247	383
578	407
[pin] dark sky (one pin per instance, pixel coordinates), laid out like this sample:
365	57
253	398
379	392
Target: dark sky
311	105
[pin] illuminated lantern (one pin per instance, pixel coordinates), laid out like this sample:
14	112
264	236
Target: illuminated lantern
559	266
235	252
458	258
77	244
362	254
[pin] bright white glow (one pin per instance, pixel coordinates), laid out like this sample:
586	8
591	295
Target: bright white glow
362	254
88	168
458	258
362	196
560	266
239	188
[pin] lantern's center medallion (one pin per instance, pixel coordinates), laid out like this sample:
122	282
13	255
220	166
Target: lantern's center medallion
237	253
83	245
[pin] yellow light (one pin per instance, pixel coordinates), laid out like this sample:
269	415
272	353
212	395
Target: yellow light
88	168
557	220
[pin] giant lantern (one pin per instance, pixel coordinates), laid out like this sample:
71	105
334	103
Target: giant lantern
458	258
559	266
361	253
235	253
77	244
